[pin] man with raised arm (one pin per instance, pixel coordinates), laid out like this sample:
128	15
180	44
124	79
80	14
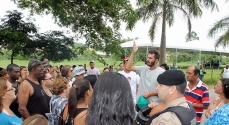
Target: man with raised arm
148	77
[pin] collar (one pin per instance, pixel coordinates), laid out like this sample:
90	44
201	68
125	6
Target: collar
176	102
198	85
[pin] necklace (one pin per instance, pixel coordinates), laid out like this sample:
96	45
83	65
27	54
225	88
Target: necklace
46	91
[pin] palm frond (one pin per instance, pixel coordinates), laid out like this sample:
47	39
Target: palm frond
153	27
146	12
221	25
223	40
210	4
189	24
170	14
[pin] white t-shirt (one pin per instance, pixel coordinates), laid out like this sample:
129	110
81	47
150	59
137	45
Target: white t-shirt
226	73
94	71
132	77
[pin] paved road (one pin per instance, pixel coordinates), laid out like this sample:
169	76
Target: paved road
212	95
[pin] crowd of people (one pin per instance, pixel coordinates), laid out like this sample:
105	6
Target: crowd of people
72	95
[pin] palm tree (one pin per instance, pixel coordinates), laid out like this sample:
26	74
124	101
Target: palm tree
221	25
164	10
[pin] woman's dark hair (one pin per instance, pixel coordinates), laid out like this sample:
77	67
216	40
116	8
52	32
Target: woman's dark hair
64	70
77	92
3	72
111	102
165	65
225	84
105	69
92	79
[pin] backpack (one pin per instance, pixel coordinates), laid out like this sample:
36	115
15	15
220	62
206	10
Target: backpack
187	116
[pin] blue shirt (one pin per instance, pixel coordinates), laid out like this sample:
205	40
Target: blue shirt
220	117
9	120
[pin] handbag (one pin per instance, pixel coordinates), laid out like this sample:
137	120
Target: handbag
143	116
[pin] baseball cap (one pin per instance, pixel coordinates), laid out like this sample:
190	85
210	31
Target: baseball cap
78	71
171	77
126	58
34	63
142	102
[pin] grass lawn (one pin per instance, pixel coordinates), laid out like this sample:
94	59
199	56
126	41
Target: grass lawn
100	66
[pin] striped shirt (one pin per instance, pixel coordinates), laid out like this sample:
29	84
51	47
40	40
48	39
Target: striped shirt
198	95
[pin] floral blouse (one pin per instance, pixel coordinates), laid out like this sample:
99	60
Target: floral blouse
220	117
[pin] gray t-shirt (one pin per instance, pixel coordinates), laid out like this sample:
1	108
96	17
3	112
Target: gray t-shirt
148	81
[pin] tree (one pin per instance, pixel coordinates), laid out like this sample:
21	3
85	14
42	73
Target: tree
164	10
98	21
221	25
22	38
15	33
54	45
191	36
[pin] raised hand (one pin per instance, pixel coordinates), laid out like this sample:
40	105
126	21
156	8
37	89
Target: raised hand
135	48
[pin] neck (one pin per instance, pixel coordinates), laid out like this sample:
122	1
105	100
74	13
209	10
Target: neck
194	83
44	86
172	98
63	95
6	104
226	101
126	71
82	104
92	67
153	67
33	78
12	81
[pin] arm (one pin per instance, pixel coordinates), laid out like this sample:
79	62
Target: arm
148	94
222	72
129	65
207	113
199	106
23	97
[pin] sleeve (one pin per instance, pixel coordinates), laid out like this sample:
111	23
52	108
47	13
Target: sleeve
98	72
139	69
137	79
205	98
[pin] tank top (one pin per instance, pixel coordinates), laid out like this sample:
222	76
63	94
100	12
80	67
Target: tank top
78	111
37	103
226	73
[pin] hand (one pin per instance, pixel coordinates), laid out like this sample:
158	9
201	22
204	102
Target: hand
146	95
152	105
135	48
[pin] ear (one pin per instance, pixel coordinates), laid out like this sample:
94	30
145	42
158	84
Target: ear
172	89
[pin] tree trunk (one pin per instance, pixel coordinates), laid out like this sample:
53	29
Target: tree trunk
163	37
12	57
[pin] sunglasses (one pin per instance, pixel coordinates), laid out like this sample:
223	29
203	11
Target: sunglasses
12	88
51	78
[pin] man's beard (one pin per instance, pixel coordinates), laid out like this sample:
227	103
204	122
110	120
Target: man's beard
151	64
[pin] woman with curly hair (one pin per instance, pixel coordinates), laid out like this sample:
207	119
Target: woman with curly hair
59	100
111	102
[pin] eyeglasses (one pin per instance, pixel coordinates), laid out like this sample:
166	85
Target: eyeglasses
51	78
12	88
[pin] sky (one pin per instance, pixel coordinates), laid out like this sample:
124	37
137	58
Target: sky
174	35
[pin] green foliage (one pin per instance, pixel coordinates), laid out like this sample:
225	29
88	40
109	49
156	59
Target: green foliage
219	26
98	21
164	10
21	38
15	33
